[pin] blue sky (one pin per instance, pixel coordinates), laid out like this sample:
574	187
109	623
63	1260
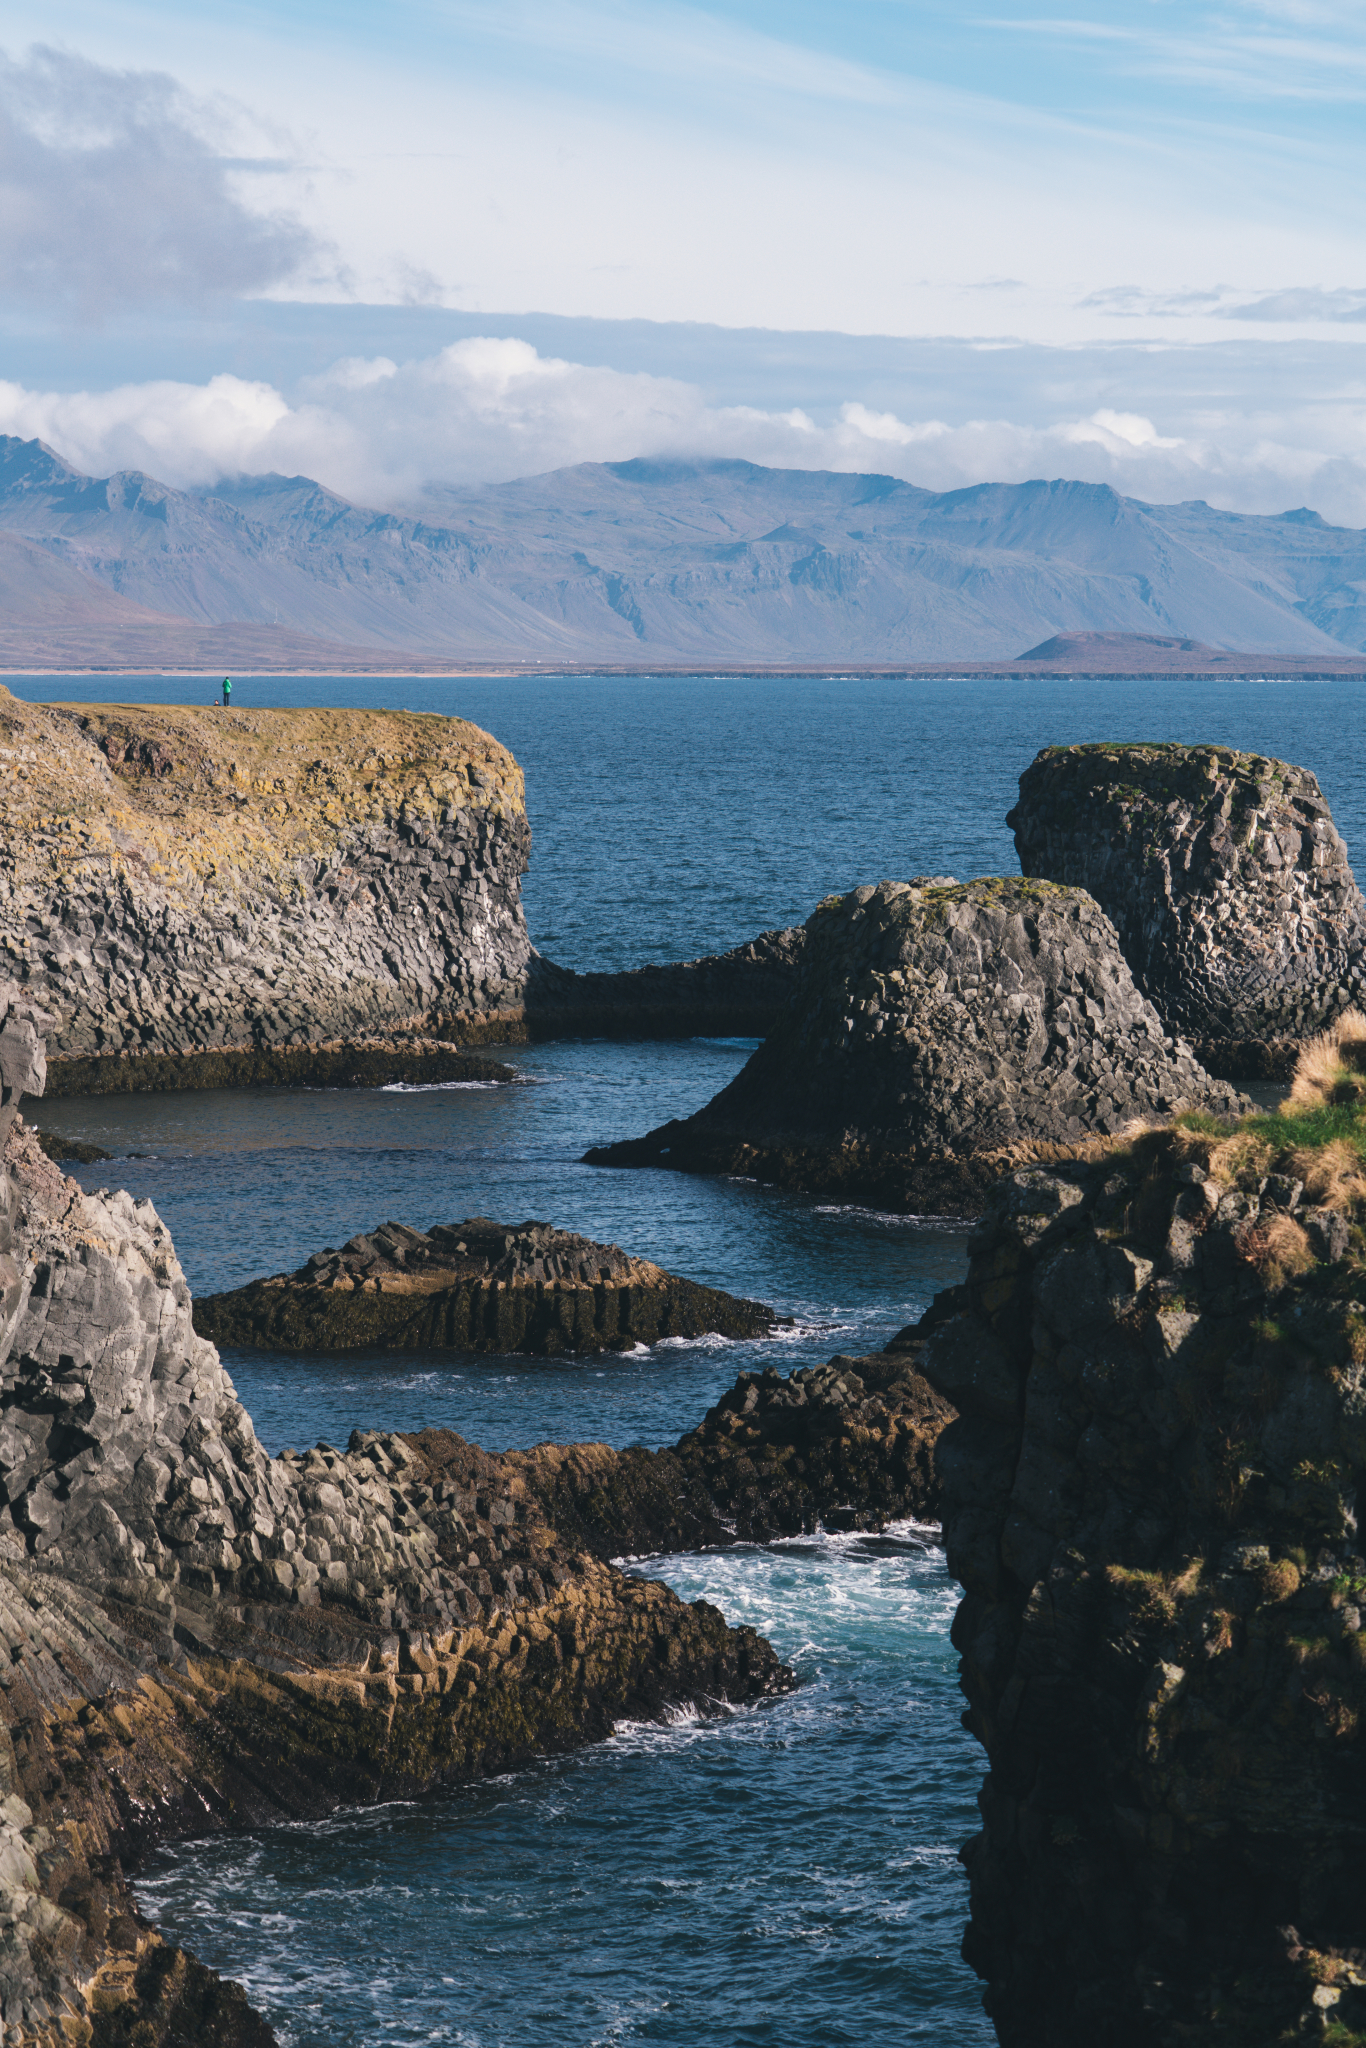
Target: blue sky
1148	211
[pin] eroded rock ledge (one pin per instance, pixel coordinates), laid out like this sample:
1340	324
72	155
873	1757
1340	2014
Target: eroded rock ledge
1152	1499
939	1028
1227	882
196	1635
475	1286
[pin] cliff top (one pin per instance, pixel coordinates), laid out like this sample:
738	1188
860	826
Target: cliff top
187	795
1167	771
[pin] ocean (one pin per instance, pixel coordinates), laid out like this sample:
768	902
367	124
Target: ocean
785	1875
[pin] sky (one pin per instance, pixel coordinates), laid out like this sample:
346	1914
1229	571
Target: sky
452	241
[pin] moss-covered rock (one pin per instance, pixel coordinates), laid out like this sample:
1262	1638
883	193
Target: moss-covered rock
939	1031
1228	885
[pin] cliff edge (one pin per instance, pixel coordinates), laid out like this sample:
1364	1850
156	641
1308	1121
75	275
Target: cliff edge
1152	1498
192	882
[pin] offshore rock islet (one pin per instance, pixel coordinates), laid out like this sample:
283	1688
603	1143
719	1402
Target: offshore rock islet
475	1286
940	1030
1228	883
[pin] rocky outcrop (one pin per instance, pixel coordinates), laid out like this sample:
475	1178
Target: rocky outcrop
939	1027
408	1058
195	1635
1229	887
739	994
475	1286
1152	1499
847	1445
192	883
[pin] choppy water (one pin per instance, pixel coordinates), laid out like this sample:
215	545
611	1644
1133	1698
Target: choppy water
785	1875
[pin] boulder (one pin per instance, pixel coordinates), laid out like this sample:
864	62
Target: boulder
1226	880
939	1030
475	1286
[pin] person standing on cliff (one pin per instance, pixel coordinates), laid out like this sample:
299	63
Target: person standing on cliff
227	693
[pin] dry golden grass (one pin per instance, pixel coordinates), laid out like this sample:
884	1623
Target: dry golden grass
1332	1174
1331	1066
1278	1248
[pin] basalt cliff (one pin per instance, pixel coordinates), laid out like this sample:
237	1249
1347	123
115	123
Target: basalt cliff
1153	1499
939	1031
198	1636
192	883
217	898
1227	882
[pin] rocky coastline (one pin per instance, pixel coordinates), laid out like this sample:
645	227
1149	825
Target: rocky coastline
940	1032
1151	1498
475	1286
198	1636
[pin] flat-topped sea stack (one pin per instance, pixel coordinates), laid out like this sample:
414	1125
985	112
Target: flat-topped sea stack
204	883
940	1030
475	1286
1226	879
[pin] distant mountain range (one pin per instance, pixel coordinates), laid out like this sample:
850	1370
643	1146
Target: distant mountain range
638	562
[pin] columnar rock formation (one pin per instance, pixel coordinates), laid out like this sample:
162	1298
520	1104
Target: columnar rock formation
196	1635
474	1286
938	1027
1152	1499
1228	885
198	882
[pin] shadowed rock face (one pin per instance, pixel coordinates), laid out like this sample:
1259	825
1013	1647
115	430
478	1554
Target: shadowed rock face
938	1026
1228	885
1151	1499
475	1286
847	1445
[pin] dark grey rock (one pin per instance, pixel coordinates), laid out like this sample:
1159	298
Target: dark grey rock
1229	886
936	1028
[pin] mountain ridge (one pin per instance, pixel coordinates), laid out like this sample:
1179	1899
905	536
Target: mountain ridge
681	561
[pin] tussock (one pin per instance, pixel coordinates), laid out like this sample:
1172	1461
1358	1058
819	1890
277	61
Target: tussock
1278	1248
1332	1174
1332	1067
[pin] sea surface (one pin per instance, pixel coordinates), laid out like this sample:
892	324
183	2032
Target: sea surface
785	1875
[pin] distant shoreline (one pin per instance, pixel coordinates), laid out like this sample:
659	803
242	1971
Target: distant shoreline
1245	671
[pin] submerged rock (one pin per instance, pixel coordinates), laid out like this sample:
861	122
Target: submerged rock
939	1028
1228	885
1153	1501
475	1286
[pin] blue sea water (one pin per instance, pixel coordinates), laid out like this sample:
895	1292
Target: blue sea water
784	1875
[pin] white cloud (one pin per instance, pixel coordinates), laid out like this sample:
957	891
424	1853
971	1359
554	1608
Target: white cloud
492	408
116	188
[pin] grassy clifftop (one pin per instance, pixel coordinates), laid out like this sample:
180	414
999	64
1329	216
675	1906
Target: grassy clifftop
199	796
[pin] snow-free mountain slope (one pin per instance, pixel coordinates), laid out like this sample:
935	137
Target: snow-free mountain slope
699	561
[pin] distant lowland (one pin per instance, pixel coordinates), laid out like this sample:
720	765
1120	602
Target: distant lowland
662	564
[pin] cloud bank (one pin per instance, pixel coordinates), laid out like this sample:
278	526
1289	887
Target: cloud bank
489	409
113	191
